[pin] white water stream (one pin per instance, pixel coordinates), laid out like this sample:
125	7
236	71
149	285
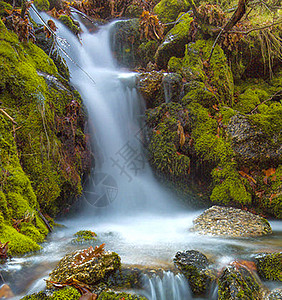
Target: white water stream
124	204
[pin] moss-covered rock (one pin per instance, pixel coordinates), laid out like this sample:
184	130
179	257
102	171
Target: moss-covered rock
86	269
174	41
168	10
42	161
195	267
126	37
256	139
68	21
172	84
147	51
238	282
118	296
269	266
84	237
150	86
43	5
216	75
67	293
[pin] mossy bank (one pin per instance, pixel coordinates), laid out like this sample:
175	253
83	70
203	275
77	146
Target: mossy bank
43	149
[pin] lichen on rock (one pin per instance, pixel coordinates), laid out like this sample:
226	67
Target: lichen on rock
230	222
90	270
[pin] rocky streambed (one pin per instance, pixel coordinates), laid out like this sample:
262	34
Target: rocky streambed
148	249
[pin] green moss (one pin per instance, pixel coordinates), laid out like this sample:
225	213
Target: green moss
215	77
118	296
229	187
4	6
36	169
251	98
175	65
198	92
31	231
174	42
168	10
45	65
269	266
165	142
67	293
238	283
84	236
269	120
19	243
69	23
147	51
42	4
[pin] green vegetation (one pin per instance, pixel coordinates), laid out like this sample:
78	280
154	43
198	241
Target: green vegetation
65	19
43	5
168	10
118	296
269	266
84	236
67	293
36	169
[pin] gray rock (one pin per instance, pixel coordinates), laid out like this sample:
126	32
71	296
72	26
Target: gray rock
195	267
230	222
251	144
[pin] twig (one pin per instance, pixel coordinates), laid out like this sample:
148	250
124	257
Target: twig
8	116
60	48
215	42
236	17
259	28
44	220
274	95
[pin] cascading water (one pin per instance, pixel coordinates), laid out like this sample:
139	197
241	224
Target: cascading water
168	286
122	172
126	207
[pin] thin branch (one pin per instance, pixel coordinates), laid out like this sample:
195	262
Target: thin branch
254	29
56	38
270	98
8	116
236	17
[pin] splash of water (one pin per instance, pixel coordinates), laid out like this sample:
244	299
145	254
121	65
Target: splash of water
169	286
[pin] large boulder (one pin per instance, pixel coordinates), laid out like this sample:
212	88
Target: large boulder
174	42
195	267
230	222
85	267
269	266
238	282
168	10
252	144
126	39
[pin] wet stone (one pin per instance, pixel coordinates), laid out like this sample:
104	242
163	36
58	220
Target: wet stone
230	222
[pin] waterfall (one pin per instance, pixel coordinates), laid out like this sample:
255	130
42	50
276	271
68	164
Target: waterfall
122	180
168	286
